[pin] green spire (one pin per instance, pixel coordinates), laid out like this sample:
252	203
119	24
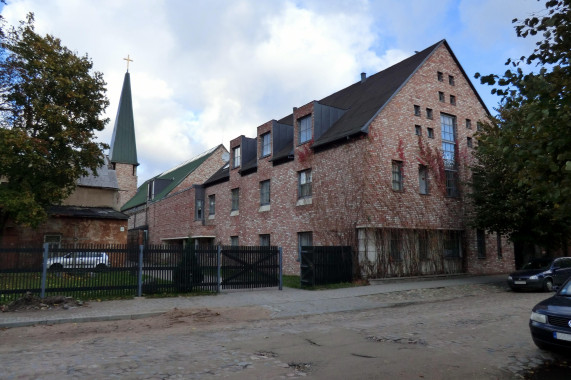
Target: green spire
123	145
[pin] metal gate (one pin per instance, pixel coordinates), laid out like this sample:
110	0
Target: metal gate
250	267
326	265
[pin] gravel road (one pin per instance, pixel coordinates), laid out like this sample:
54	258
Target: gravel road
476	331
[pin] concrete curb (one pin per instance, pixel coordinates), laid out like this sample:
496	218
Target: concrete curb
98	318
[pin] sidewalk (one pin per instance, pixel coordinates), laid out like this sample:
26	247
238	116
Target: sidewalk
286	303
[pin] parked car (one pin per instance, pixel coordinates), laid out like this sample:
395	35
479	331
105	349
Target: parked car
550	320
541	274
97	260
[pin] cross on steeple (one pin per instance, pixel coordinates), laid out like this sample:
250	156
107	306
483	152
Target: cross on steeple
128	60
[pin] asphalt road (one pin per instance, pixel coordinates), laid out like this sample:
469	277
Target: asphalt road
470	331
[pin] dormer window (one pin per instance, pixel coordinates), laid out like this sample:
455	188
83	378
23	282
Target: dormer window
237	157
266	144
304	129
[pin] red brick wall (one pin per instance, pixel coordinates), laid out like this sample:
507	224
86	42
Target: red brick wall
72	231
127	180
173	216
352	182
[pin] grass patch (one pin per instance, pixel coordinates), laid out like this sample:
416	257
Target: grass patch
291	281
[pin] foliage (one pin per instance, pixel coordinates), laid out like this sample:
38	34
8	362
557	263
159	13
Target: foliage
522	184
51	104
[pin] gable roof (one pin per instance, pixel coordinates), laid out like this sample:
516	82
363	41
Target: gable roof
365	99
123	144
223	174
170	179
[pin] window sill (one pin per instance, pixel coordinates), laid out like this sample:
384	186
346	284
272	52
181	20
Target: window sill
264	208
211	216
304	201
234	213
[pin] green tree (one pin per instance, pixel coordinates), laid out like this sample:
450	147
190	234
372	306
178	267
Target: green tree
522	184
51	104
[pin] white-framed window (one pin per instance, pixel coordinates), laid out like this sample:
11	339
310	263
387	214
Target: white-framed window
265	141
237	156
304	187
304	129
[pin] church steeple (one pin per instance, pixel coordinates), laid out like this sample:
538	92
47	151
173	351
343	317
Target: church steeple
123	152
123	145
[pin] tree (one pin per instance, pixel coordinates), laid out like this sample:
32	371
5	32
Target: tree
50	107
522	184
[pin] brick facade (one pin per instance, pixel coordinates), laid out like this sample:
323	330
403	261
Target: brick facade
127	180
352	199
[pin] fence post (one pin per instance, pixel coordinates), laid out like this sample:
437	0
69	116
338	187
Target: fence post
281	271
44	270
219	270
140	275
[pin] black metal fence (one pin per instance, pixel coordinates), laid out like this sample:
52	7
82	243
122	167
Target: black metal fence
90	272
326	265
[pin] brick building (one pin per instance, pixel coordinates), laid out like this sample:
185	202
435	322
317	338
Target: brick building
380	165
91	214
162	210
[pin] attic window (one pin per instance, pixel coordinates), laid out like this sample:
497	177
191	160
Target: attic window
304	129
416	110
237	157
266	146
451	80
440	76
468	124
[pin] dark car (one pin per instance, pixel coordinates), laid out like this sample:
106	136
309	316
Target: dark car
541	274
550	321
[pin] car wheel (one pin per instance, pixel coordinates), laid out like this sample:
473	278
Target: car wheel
548	285
56	267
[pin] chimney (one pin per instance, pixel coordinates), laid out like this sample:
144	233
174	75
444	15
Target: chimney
363	77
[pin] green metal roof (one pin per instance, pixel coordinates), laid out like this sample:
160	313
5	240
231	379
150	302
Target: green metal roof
123	144
175	175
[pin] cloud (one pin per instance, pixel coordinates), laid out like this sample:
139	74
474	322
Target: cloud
205	72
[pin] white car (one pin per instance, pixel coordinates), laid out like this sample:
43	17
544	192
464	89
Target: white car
98	260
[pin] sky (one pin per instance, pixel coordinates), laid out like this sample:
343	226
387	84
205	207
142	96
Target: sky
205	72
